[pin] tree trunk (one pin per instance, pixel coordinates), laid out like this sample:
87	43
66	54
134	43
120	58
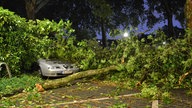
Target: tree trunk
188	16
169	16
104	37
30	8
63	81
170	25
188	13
33	6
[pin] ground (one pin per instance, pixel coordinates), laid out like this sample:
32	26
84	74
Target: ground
95	94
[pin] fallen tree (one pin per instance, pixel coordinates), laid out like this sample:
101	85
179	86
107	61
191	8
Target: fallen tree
64	81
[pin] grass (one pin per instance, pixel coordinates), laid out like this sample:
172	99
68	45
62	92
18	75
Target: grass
10	86
14	85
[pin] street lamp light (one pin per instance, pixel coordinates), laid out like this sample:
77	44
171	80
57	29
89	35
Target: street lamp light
164	42
126	34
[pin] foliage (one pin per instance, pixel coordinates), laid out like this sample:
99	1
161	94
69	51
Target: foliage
150	59
98	57
86	19
87	53
161	63
88	14
119	105
23	42
150	92
156	59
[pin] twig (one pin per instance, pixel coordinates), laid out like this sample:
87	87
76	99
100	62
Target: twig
182	77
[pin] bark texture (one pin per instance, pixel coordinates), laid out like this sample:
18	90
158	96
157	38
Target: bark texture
188	13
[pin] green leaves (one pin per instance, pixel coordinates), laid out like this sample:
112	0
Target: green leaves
162	64
150	92
23	42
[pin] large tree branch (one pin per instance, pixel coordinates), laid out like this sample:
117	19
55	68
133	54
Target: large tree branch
182	77
63	81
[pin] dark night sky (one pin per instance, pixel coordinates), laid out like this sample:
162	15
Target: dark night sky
141	28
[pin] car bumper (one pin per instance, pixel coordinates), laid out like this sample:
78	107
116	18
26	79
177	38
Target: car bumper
57	73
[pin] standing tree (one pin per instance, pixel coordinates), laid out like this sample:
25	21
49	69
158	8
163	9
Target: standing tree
162	10
113	14
89	17
103	12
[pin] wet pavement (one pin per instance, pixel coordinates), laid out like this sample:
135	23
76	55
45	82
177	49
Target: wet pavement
94	95
180	99
98	94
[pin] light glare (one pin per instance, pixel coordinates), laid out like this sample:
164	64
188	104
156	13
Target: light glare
125	34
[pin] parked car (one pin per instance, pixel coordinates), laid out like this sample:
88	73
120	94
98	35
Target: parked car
56	68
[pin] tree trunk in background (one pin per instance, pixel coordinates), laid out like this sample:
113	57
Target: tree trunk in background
30	8
169	16
104	37
170	25
188	13
33	6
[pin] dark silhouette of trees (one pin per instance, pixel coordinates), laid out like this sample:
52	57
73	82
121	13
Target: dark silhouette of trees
167	9
17	6
92	17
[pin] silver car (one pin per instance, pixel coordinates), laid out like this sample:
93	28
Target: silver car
56	68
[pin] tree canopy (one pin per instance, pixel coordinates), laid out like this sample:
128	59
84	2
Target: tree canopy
92	17
167	10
